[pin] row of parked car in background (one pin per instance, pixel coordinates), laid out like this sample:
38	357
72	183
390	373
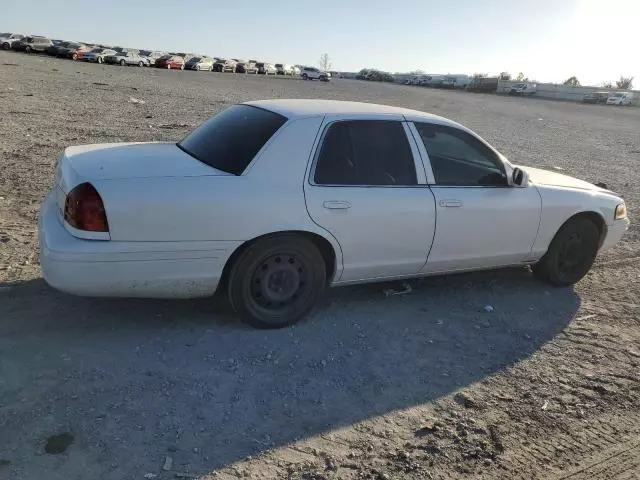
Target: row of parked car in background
490	84
609	98
467	82
94	53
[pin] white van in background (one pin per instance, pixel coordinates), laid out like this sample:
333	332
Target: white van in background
456	81
523	89
620	98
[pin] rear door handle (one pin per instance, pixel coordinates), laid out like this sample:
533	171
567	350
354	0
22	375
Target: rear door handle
450	203
336	205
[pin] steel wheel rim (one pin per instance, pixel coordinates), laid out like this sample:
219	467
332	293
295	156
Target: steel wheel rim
278	283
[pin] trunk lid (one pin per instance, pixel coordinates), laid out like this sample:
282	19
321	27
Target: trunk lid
111	161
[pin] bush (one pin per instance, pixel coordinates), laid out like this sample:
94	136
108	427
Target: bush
374	75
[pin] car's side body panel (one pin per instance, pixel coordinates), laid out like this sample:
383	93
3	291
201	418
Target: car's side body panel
561	203
483	227
383	231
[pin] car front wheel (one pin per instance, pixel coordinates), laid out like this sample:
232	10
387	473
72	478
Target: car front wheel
571	253
276	281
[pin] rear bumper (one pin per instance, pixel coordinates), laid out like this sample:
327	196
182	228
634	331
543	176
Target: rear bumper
127	269
615	233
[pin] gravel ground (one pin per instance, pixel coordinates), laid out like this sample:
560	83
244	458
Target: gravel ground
426	385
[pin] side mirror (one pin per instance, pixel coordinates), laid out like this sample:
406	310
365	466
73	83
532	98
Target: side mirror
519	178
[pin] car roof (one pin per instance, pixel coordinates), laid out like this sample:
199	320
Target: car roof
292	108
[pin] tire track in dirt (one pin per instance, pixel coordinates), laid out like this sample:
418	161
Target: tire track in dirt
607	452
619	463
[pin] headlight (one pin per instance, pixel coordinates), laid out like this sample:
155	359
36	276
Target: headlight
621	212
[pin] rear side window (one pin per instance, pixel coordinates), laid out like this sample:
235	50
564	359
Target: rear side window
365	152
459	159
229	140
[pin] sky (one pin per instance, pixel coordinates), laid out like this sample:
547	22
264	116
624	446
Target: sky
547	40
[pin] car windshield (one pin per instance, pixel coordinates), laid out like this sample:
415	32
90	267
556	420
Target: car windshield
196	59
97	50
259	64
618	95
278	65
229	140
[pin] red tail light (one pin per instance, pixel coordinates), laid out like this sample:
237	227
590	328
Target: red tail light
84	209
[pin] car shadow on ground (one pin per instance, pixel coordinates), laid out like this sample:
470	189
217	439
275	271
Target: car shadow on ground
136	379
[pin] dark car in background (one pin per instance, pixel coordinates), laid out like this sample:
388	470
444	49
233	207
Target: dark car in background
266	69
32	43
69	49
596	97
170	62
55	49
247	67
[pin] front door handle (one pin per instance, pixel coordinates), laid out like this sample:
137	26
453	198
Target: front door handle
336	205
450	203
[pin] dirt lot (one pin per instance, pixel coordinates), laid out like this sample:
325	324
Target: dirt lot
427	385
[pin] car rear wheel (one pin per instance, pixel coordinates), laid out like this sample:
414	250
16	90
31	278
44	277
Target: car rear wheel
276	281
571	253
122	63
140	64
305	76
27	49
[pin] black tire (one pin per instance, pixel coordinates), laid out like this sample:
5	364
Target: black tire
264	269
141	64
122	63
305	76
571	253
27	49
6	46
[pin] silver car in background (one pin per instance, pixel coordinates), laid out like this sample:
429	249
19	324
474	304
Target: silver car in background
152	56
97	55
199	63
127	58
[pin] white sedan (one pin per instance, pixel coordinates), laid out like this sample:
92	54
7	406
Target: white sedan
276	200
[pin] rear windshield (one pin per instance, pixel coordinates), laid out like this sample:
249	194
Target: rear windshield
229	140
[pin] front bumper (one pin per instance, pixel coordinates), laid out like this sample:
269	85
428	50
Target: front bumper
126	269
615	231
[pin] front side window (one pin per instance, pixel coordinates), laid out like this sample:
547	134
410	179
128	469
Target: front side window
229	140
365	152
460	159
